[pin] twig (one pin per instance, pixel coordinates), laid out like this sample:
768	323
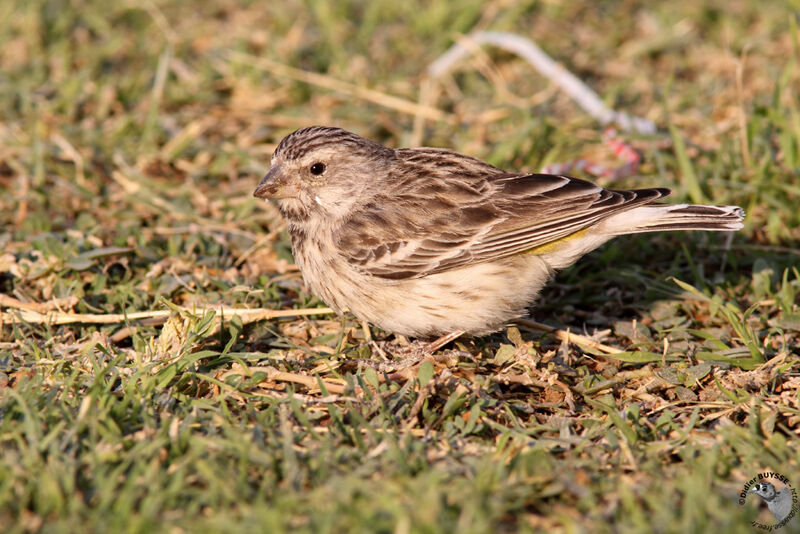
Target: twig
328	82
308	381
583	95
569	337
743	137
438	343
413	415
40	307
70	152
247	315
523	379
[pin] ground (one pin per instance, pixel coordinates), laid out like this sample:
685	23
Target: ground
132	137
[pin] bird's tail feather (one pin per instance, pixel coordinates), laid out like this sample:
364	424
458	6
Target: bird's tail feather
664	217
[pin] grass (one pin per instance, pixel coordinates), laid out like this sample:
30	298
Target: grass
132	137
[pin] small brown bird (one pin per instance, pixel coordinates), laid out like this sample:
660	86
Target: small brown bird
425	241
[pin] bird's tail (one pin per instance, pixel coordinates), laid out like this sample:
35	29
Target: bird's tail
661	217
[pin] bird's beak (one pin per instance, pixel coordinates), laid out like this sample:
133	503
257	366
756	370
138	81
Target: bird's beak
276	185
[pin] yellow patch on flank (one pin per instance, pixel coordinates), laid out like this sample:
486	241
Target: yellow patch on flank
555	245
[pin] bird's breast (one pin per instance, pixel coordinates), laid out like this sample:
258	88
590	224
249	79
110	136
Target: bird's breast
324	271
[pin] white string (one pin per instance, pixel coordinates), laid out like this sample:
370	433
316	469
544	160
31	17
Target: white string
583	95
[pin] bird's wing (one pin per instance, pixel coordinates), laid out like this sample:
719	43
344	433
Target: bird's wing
454	219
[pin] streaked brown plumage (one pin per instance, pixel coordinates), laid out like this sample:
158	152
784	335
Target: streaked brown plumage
425	241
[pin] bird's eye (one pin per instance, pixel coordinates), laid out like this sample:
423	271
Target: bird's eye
317	168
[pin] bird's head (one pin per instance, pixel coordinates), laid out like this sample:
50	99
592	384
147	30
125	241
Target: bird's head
765	490
323	171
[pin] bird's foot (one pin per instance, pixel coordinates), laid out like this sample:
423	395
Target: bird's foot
405	357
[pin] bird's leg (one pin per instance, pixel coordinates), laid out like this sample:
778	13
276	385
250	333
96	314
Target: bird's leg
401	340
371	342
414	354
420	353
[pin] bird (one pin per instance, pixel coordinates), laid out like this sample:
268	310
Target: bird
427	242
778	502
